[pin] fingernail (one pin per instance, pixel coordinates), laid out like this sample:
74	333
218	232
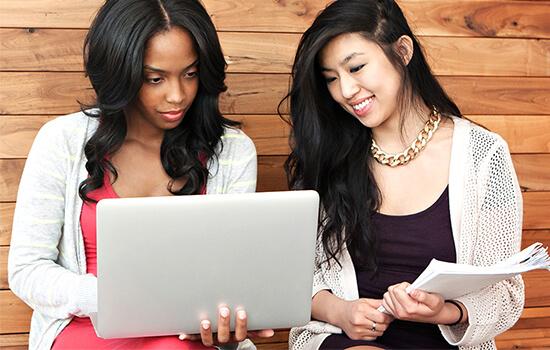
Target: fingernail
224	312
182	336
205	324
241	314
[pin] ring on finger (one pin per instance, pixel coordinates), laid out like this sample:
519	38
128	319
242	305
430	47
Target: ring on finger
373	326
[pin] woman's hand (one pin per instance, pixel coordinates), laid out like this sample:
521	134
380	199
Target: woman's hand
224	335
419	306
361	320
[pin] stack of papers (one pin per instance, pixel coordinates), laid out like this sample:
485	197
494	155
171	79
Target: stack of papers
455	280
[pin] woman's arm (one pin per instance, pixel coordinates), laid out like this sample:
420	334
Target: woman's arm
359	319
239	157
494	309
38	223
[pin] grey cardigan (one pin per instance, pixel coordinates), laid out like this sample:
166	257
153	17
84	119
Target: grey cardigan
47	261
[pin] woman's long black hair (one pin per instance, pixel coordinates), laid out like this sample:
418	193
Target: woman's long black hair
330	148
113	56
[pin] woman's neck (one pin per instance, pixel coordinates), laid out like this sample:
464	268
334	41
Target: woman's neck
393	138
140	131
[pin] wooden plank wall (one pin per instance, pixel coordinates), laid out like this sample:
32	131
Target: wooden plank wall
493	57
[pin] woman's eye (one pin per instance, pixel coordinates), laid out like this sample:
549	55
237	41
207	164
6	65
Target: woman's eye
155	80
329	80
191	74
356	68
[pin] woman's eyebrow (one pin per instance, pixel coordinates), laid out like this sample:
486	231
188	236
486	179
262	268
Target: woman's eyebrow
345	60
159	70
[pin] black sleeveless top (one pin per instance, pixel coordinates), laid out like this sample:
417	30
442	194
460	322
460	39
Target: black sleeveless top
406	245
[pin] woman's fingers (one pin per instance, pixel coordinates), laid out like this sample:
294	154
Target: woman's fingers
431	300
224	335
191	337
264	333
240	325
206	333
224	319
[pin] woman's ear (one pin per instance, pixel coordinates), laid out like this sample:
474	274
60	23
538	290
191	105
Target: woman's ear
405	48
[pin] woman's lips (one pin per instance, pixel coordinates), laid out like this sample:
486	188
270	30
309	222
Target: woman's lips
172	116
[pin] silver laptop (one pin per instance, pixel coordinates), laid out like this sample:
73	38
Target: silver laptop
165	263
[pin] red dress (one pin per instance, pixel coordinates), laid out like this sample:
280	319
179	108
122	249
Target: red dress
79	333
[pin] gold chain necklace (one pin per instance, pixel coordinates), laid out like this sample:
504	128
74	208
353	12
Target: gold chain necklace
416	146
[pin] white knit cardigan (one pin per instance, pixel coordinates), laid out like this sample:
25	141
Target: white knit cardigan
486	216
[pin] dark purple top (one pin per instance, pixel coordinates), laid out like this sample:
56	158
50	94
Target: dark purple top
406	245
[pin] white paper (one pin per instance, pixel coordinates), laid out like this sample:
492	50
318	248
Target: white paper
455	280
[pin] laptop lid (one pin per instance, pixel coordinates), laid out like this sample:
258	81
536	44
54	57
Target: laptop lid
165	263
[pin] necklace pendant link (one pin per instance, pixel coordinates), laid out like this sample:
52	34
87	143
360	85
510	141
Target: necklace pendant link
416	146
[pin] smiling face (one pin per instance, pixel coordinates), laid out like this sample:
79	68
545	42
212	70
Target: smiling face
170	84
361	78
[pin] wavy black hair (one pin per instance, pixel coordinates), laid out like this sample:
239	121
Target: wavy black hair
114	50
329	147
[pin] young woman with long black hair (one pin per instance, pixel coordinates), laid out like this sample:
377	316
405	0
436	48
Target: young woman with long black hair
403	178
157	70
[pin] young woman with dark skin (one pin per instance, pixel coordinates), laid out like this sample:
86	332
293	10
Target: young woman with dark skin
155	130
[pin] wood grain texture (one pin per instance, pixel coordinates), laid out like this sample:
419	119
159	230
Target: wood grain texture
268	132
6	219
271	175
15	316
525	334
523	133
522	343
478	18
29	49
499	95
44	93
4	267
533	318
17	134
535	210
61	50
537	292
533	171
504	18
57	93
531	236
487	56
10	174
14	341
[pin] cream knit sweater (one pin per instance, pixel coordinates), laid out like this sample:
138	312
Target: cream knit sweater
486	217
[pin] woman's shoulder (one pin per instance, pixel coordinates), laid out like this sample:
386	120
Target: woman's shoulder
70	124
67	133
230	132
479	138
235	142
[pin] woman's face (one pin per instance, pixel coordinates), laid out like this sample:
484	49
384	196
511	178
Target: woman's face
171	81
361	78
